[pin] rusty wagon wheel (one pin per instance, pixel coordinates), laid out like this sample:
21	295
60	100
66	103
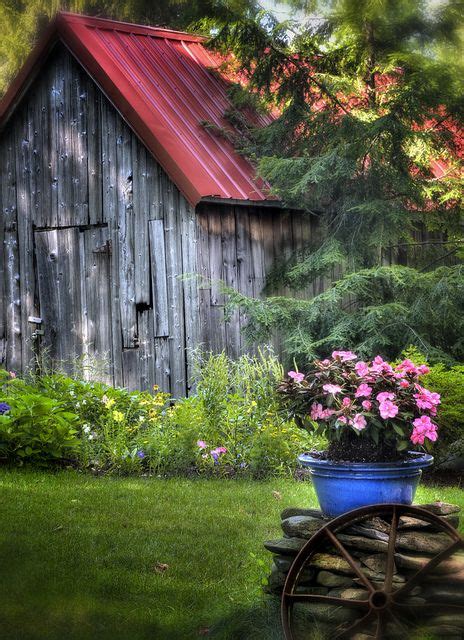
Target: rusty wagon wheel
381	604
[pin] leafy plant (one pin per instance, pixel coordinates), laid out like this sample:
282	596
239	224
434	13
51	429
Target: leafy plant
384	407
37	429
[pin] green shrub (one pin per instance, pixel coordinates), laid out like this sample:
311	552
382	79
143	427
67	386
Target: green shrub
36	428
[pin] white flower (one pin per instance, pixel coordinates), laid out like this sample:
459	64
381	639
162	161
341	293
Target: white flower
86	428
90	436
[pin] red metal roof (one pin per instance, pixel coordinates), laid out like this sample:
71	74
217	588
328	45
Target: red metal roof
164	84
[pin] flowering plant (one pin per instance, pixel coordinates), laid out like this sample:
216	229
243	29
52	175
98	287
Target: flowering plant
347	397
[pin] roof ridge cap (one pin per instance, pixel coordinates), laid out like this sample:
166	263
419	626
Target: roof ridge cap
119	25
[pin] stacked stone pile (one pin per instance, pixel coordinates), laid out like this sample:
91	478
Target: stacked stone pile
417	542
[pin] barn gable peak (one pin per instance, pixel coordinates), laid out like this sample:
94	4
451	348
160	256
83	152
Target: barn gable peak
165	84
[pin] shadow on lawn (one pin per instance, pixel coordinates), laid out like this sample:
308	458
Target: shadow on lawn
261	622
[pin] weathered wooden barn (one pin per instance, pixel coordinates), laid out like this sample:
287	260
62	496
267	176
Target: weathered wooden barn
112	189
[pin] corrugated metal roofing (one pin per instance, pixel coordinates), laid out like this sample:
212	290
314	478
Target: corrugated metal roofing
165	84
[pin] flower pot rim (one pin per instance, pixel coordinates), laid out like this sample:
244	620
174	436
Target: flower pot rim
417	460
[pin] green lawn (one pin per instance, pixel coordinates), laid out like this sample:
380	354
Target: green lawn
79	554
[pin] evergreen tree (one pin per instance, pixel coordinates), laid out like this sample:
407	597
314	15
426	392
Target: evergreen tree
369	96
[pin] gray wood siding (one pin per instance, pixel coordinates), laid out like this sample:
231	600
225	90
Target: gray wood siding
80	195
98	242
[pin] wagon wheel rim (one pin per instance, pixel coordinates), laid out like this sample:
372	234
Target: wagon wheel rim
383	604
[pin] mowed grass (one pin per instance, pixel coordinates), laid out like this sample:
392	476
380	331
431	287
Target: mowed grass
80	556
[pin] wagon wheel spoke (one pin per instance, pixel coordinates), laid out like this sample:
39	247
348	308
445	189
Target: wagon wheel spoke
348	632
398	622
419	575
329	600
380	627
349	558
391	552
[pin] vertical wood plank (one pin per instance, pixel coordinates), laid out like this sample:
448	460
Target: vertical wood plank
141	200
24	154
110	211
126	235
187	227
204	274
10	255
94	151
159	280
96	269
175	293
230	278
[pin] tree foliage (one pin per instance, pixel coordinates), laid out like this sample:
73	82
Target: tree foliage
369	103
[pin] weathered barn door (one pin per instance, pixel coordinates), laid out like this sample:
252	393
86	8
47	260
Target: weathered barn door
74	269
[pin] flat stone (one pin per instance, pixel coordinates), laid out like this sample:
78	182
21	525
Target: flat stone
330	562
444	593
329	579
452	619
420	541
408	522
285	546
451	566
440	508
367	532
350	594
301	526
375	562
366	544
283	563
289	512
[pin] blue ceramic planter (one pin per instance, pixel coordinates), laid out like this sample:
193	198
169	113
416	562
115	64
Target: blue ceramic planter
343	486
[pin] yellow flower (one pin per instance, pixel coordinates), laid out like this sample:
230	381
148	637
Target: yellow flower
110	403
155	387
118	416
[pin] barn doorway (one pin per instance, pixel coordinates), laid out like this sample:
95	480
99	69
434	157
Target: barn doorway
74	284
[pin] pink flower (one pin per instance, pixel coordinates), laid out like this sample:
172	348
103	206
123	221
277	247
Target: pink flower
361	369
364	390
408	367
423	369
388	409
367	405
344	356
326	414
385	395
346	401
342	419
359	422
296	376
380	366
423	428
325	362
332	388
426	399
201	444
404	383
12	374
319	413
221	450
316	410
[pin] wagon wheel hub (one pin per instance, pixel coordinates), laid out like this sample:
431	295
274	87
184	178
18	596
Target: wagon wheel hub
379	600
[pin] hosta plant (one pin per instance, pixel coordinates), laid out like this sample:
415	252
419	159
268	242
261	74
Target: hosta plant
367	410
